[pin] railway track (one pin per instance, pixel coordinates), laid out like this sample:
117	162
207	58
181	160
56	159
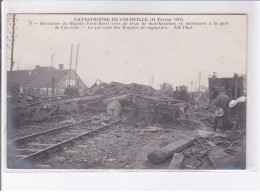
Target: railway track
47	132
25	150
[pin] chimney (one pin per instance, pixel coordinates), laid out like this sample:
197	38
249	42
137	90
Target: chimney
61	66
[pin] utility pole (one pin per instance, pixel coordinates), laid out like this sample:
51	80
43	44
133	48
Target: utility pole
70	62
12	49
52	60
76	65
199	80
196	84
191	86
152	80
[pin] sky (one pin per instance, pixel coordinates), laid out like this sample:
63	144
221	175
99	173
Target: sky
133	56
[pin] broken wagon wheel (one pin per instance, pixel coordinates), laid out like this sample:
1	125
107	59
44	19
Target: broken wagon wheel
113	108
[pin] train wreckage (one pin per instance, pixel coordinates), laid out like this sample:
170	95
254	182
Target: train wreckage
175	120
101	97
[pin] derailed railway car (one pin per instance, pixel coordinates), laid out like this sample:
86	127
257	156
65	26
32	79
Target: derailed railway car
234	86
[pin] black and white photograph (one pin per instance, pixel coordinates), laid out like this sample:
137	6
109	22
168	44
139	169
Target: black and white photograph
126	91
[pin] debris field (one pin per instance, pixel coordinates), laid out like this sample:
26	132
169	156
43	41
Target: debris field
153	130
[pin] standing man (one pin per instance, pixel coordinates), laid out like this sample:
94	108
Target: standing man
221	115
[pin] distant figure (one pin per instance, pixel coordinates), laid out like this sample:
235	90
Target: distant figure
214	93
221	102
72	91
14	89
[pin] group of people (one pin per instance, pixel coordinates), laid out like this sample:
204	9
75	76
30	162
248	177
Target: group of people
227	109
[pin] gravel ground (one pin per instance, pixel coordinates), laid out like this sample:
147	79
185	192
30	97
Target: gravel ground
44	141
36	127
119	146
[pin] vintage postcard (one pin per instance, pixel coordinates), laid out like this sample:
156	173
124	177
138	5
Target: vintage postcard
126	92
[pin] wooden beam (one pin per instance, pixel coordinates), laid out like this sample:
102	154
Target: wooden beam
159	155
177	161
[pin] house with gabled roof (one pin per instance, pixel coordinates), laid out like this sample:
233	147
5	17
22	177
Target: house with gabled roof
45	80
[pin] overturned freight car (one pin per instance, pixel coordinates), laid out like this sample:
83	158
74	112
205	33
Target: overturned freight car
115	99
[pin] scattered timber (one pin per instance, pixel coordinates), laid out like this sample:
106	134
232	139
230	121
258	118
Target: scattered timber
159	155
177	161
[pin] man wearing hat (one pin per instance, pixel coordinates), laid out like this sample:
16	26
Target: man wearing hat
221	115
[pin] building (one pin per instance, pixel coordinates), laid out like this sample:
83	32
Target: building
45	80
234	86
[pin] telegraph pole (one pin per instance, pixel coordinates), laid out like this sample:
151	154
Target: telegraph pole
76	65
196	84
52	60
152	80
199	81
70	62
12	49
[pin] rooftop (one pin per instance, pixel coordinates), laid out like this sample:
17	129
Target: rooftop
38	77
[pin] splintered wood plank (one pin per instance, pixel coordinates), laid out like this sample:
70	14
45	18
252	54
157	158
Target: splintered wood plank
177	161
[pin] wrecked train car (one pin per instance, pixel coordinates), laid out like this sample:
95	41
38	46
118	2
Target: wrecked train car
234	86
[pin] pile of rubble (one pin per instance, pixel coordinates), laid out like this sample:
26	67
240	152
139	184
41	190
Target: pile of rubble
207	150
114	98
116	89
